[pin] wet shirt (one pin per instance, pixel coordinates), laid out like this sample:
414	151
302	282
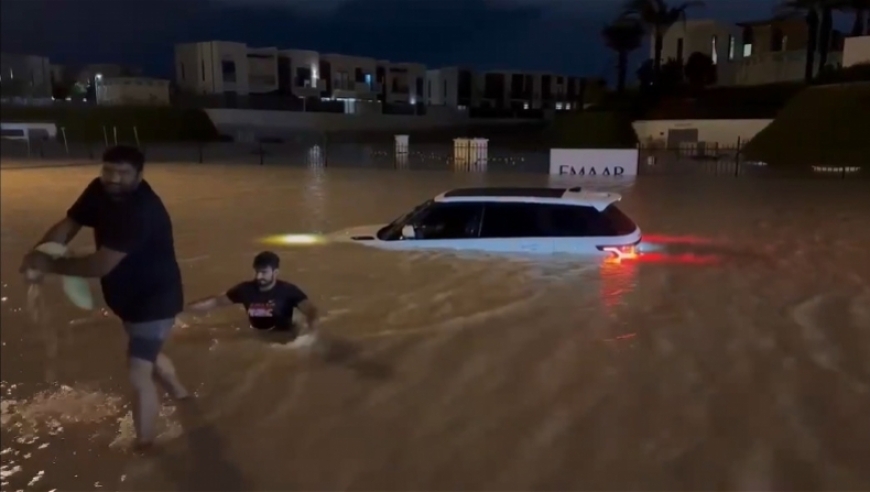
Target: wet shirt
269	309
146	284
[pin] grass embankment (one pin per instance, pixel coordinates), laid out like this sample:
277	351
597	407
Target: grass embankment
86	123
591	129
821	126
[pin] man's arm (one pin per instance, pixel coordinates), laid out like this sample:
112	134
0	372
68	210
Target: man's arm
124	231
209	303
235	295
97	264
62	232
309	310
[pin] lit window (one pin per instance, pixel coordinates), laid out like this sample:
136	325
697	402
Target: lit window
731	43
559	106
747	50
714	50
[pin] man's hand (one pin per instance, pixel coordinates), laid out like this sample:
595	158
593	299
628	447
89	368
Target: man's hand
35	261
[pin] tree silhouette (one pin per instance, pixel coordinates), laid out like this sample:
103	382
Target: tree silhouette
623	36
658	17
700	71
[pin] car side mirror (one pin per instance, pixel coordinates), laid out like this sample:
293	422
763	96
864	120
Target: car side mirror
408	232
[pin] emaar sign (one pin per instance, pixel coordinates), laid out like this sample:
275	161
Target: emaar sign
594	162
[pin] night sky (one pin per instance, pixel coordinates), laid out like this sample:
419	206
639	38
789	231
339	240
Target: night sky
554	35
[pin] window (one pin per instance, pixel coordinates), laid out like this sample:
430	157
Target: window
450	221
776	40
182	71
505	220
714	49
228	70
731	45
747	50
680	49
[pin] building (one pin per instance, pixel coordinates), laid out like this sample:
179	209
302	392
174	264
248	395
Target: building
221	67
748	53
530	90
775	50
87	74
856	51
721	42
25	76
132	91
403	83
455	87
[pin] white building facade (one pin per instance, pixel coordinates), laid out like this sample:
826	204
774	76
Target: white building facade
856	51
721	42
25	76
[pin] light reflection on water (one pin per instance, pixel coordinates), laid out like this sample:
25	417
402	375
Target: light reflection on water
733	354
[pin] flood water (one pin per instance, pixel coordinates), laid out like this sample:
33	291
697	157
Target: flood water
736	355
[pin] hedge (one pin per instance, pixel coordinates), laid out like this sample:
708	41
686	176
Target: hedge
86	123
821	126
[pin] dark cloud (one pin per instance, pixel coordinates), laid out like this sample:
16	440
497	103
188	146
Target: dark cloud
557	35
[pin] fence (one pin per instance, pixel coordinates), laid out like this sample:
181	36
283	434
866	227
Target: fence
317	150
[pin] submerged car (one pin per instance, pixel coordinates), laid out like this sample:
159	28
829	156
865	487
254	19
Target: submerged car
510	220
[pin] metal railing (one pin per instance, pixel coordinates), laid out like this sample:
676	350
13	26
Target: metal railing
316	150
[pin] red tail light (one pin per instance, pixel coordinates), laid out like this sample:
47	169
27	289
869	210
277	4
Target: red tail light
626	252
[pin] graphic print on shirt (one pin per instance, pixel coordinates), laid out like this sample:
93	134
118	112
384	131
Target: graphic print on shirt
261	309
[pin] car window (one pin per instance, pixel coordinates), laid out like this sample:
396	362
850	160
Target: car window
505	220
449	221
618	223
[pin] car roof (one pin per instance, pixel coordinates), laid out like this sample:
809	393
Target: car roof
562	196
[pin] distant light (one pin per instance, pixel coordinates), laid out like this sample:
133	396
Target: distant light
294	240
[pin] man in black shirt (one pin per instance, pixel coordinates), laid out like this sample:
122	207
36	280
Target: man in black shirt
136	264
268	301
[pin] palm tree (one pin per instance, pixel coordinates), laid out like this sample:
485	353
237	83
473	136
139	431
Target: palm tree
623	36
859	8
657	16
810	10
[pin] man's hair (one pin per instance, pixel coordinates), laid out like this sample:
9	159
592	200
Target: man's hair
266	259
125	154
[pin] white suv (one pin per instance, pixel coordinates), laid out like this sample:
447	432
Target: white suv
510	220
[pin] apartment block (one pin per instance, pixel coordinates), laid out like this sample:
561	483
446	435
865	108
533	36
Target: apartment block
220	67
747	53
25	76
456	87
530	90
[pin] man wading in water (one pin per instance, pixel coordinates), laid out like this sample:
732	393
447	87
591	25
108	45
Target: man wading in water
135	262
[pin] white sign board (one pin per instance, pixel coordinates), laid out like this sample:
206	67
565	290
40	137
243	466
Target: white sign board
594	162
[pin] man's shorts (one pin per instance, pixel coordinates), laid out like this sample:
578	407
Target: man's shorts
146	339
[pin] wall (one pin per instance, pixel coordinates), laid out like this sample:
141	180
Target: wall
721	132
277	123
25	76
344	83
133	91
405	74
856	50
794	31
199	67
697	36
776	67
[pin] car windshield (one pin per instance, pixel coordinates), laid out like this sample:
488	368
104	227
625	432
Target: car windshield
394	229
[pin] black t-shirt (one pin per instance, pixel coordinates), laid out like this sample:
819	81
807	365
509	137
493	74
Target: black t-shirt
268	309
146	285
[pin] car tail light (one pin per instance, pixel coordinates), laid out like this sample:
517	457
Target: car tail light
625	252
